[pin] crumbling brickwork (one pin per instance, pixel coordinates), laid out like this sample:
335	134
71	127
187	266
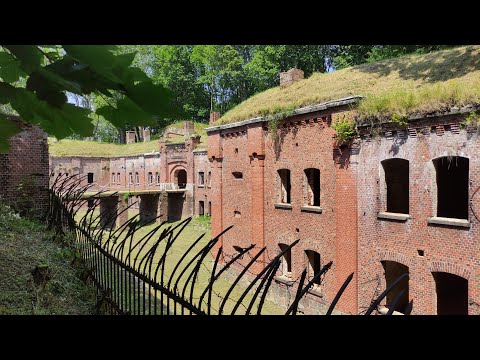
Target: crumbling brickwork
352	227
423	247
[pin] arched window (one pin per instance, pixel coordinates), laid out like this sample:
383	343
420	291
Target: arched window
286	266
313	265
284	190
312	187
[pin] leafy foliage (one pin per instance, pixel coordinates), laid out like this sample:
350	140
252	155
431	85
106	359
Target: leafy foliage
35	81
344	130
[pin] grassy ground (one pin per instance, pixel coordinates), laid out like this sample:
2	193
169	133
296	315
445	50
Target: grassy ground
198	226
25	244
68	147
401	86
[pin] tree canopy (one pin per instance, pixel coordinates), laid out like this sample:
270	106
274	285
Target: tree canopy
35	81
130	86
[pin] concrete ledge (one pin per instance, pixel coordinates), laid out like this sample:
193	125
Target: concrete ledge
283	206
284	280
393	216
384	310
315	290
449	221
304	110
175	191
314	209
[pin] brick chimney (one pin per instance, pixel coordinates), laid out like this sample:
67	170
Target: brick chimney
130	137
214	116
188	127
290	76
146	135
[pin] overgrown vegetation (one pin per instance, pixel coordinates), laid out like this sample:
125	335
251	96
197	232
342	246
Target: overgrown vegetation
67	147
344	130
399	87
24	245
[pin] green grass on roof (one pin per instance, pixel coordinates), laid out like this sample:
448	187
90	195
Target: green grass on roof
402	86
68	147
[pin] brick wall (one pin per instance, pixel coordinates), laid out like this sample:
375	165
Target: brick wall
24	172
248	203
449	249
167	163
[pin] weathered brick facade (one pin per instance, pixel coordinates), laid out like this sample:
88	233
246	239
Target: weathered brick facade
24	172
346	228
424	248
160	171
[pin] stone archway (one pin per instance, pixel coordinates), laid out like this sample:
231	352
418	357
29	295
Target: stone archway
180	177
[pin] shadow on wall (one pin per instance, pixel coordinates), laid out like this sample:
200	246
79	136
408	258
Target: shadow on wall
430	68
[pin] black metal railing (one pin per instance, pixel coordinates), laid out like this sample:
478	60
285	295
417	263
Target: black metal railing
132	269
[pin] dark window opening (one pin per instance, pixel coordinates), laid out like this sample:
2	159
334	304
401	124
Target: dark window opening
157	175
210	208
182	179
137	178
452	187
209	179
237	175
118	178
452	294
201	178
113	178
150	178
286	266
393	271
313	265
284	175
130	178
201	208
90	178
313	187
397	182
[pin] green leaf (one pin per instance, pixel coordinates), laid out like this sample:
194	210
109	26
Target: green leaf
10	70
29	56
98	57
152	98
8	128
126	113
46	90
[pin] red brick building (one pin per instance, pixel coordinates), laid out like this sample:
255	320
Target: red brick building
24	172
406	200
174	180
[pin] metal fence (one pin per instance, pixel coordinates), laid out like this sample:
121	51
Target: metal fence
129	269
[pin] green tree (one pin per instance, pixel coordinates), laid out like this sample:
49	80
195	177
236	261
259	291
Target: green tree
35	81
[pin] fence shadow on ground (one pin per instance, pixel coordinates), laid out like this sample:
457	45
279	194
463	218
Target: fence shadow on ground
131	271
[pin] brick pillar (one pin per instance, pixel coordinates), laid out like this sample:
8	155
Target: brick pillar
130	137
214	116
162	207
215	156
122	218
146	135
256	152
163	162
346	224
188	127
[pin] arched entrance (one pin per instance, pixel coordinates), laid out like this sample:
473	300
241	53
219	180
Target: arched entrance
452	294
393	271
181	178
